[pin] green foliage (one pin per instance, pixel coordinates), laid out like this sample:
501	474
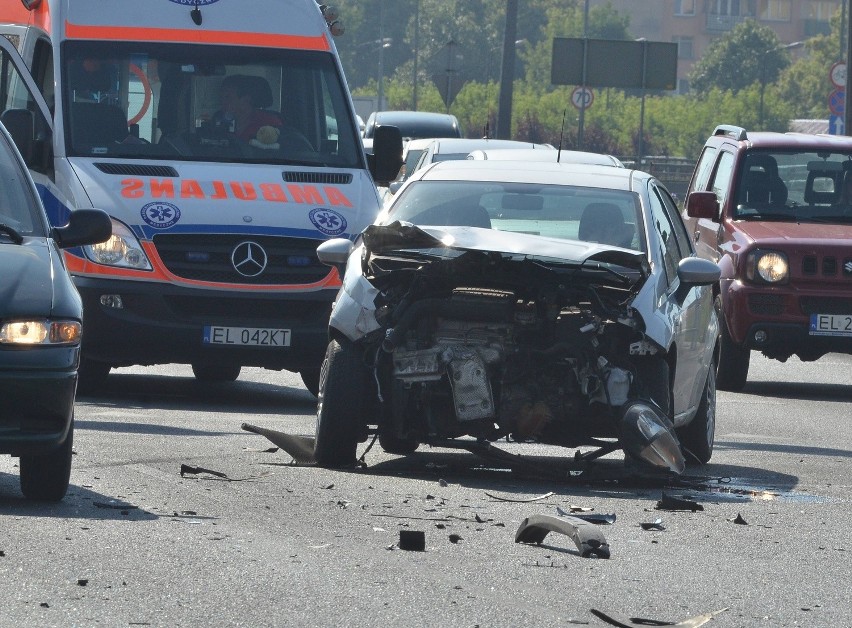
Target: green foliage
749	53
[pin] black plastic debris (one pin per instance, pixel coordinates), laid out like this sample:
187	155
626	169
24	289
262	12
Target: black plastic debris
657	524
300	448
82	582
739	520
586	536
623	622
455	538
599	519
670	502
412	540
186	469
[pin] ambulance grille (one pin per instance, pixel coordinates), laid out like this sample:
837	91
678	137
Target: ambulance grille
208	257
331	178
136	170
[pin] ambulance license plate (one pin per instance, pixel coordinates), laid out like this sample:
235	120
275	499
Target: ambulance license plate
831	325
246	336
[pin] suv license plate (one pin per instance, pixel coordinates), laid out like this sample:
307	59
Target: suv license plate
831	325
246	336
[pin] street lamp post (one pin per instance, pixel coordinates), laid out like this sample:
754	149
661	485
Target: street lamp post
795	44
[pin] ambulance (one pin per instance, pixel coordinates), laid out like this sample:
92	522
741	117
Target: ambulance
217	208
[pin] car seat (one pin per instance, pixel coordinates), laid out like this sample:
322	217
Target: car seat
604	223
761	184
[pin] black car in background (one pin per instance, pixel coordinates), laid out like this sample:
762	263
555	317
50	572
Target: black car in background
41	316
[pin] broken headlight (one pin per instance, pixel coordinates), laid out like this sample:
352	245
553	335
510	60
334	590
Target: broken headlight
648	436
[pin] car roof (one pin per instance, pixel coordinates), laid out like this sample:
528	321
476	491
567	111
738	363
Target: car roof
522	171
416	124
465	145
565	156
775	140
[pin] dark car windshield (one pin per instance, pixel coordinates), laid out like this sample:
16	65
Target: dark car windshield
149	100
557	211
19	208
790	186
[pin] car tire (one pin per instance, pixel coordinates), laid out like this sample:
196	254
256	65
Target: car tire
343	384
216	372
45	477
91	376
311	378
393	444
698	436
732	370
654	374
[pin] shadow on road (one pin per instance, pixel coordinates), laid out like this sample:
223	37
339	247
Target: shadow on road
811	391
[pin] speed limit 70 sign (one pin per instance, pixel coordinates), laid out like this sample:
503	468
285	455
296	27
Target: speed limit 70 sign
582	97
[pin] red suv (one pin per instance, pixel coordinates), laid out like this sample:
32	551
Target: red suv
772	210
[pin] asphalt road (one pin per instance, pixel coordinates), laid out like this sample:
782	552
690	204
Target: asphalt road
277	544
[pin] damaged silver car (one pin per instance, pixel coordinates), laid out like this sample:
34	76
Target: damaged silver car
535	302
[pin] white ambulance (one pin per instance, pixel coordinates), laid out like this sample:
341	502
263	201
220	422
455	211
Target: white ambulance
221	138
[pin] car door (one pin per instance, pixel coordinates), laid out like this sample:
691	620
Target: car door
684	313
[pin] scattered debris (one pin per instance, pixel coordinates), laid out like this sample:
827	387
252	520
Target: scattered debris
519	501
300	448
692	622
381	514
442	483
455	538
657	524
114	505
598	519
670	502
186	469
587	536
268	450
82	582
739	520
412	540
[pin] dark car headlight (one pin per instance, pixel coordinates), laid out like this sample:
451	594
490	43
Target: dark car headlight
40	332
765	266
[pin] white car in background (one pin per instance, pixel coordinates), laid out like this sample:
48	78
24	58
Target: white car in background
554	156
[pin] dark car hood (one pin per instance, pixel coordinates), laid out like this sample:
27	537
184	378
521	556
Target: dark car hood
26	279
401	235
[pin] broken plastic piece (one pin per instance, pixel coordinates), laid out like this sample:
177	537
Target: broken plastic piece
587	536
412	540
670	502
599	519
186	469
739	520
691	622
657	524
300	448
520	501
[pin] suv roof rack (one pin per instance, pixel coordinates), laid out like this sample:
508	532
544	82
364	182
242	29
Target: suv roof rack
736	132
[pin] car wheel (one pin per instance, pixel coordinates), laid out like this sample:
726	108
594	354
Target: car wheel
216	372
343	383
654	374
91	375
393	444
311	378
699	434
45	477
732	370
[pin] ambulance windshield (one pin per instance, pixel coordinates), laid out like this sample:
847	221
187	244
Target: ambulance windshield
207	103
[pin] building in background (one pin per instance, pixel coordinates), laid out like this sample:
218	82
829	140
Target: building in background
694	24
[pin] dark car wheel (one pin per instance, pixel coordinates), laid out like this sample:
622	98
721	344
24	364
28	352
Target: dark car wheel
216	372
699	435
91	376
343	385
311	378
732	370
46	477
393	444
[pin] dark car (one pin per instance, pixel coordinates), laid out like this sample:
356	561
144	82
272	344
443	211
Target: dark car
414	124
535	302
769	208
41	317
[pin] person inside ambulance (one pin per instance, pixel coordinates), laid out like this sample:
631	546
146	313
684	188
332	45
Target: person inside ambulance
243	111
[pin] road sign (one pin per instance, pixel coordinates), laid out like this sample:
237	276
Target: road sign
837	102
837	74
582	97
836	125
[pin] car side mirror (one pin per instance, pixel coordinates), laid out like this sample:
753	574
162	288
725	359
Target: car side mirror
335	252
695	271
387	154
85	226
703	205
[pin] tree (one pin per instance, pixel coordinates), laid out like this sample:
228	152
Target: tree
748	54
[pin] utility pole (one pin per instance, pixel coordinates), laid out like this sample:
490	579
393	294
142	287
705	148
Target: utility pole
582	120
507	72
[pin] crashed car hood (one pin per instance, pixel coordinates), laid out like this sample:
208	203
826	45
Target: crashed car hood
27	285
402	235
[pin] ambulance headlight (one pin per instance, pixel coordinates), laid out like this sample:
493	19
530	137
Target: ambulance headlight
122	249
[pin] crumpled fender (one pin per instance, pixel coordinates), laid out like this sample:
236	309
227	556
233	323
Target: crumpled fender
354	310
587	536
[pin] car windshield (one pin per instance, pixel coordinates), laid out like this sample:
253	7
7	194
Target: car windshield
795	187
588	214
206	103
19	210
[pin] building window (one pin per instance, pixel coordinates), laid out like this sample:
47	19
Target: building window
821	10
775	10
731	8
684	47
684	7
